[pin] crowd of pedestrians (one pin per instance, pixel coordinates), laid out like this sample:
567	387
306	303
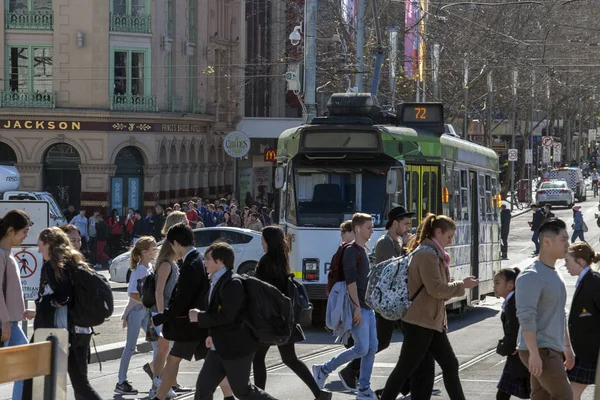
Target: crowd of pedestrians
199	307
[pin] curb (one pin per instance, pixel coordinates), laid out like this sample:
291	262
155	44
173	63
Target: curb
114	351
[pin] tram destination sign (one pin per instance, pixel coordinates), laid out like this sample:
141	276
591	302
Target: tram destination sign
110	126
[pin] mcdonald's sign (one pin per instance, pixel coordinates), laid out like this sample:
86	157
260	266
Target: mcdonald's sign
270	155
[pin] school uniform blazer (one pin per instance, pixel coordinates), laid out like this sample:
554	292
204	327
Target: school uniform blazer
508	344
584	318
223	318
189	293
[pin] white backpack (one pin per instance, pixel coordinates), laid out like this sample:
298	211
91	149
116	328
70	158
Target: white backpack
387	288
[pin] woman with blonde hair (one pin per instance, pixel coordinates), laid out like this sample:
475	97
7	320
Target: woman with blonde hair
55	297
135	316
173	218
584	317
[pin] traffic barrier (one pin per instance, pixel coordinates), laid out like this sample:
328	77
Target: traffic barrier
45	361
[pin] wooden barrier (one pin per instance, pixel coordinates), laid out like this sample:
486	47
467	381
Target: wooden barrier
44	360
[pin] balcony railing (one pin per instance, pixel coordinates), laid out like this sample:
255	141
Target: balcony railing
131	23
14	99
125	102
35	20
175	104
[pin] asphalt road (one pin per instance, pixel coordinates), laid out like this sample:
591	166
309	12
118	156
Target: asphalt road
473	334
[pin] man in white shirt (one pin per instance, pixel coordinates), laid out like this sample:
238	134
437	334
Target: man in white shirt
81	222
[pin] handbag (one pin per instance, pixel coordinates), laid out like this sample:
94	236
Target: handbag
584	227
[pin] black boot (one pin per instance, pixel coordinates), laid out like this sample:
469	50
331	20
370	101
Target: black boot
349	377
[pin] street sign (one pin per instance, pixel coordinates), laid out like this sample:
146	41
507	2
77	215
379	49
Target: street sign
30	262
592	134
546	141
557	152
513	154
546	155
528	156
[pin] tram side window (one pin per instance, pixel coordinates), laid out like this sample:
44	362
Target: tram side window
426	197
455	204
464	194
414	183
495	203
488	197
482	207
433	193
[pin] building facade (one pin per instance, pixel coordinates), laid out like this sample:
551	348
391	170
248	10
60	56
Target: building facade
121	103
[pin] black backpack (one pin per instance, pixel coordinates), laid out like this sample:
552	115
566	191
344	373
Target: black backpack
146	288
299	296
92	297
268	312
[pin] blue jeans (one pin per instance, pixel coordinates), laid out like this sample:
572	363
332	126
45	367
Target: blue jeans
365	347
577	234
535	238
17	338
138	318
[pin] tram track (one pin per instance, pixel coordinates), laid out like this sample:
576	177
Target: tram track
332	350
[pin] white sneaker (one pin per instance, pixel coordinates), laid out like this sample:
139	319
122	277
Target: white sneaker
319	375
155	385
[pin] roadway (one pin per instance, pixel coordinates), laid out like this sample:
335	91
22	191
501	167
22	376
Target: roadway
473	334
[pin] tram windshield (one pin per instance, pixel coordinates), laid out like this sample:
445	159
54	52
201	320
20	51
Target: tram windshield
326	196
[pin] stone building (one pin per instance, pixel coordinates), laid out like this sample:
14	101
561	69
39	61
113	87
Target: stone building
120	103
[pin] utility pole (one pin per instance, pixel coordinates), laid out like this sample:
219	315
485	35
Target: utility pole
466	100
530	138
435	56
360	44
580	138
490	105
310	59
513	131
393	32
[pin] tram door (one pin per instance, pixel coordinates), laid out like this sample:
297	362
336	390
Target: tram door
474	231
422	191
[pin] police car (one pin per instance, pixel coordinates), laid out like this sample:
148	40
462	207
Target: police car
555	192
574	179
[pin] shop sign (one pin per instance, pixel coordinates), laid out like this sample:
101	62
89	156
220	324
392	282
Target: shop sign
236	144
118	126
262	177
117	194
270	155
134	193
245	182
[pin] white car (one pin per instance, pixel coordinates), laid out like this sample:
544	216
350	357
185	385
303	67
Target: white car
246	243
555	192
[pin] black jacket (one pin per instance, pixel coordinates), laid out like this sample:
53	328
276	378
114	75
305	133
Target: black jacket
584	318
189	292
46	305
223	318
508	344
505	218
538	218
101	231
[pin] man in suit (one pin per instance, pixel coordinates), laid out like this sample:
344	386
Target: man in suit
505	217
231	343
188	338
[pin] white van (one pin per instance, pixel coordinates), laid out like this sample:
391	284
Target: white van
10	180
574	178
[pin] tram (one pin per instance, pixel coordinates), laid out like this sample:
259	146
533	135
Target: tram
359	158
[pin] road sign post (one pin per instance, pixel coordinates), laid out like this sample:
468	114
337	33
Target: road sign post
528	156
546	155
547	141
557	150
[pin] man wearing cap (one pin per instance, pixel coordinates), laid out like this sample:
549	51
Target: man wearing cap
389	246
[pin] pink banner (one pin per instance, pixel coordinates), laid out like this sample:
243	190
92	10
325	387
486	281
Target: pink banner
411	38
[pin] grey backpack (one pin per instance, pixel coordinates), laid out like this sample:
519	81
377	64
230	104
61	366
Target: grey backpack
387	288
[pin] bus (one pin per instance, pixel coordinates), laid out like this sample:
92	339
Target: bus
359	158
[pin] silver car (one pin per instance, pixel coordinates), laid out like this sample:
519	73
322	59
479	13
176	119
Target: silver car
555	192
246	243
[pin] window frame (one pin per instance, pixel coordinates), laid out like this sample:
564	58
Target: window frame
30	67
129	80
30	6
128	7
